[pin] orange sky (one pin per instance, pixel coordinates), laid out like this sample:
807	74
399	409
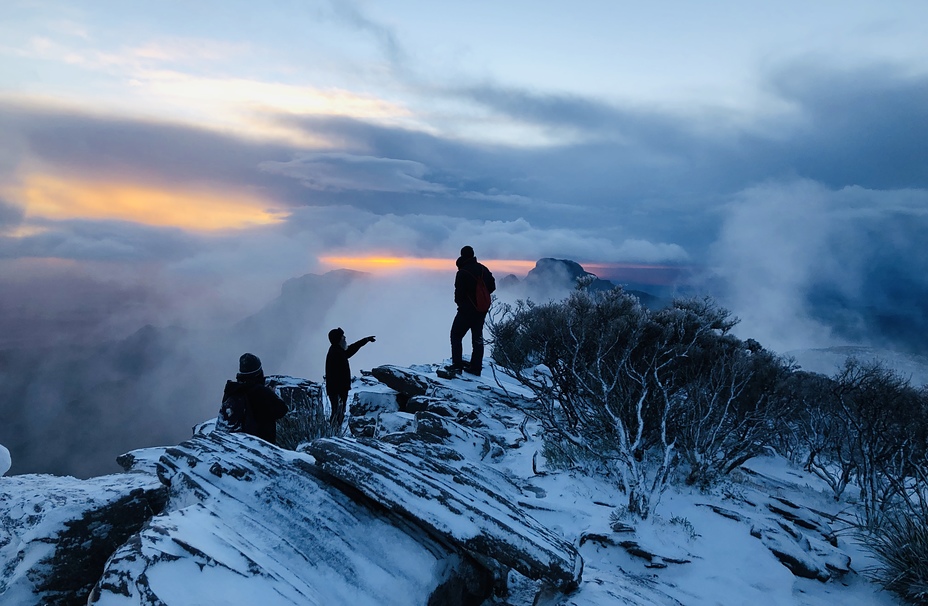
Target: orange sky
617	272
53	197
386	263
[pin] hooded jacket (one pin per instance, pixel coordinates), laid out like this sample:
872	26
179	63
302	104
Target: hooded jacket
465	282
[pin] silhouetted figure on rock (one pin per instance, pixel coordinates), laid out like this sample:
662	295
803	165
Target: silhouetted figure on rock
338	373
248	405
473	286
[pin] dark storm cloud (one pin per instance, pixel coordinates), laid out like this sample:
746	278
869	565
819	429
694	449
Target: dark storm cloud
864	127
101	241
125	149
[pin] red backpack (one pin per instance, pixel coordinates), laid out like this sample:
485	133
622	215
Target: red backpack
481	295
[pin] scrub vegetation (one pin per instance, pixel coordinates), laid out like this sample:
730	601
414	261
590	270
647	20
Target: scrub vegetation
652	397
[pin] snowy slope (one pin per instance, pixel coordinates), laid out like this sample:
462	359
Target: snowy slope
448	497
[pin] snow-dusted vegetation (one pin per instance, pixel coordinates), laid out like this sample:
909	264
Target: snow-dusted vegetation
648	398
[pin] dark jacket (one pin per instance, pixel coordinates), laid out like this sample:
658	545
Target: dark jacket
264	406
337	369
465	282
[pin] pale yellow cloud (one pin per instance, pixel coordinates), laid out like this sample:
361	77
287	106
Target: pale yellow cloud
243	96
52	197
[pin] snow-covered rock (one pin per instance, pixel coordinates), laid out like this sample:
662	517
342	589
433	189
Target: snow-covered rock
446	502
56	533
455	503
250	523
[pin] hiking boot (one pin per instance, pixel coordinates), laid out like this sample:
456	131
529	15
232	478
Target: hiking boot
472	371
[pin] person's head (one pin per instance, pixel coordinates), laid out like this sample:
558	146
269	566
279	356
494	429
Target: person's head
467	252
337	337
249	368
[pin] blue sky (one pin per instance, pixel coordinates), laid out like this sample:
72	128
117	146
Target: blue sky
160	154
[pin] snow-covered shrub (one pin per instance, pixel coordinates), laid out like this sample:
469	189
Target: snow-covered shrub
608	376
900	540
886	422
901	546
736	403
819	437
865	425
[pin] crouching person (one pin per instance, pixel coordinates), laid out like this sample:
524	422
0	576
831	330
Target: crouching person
248	405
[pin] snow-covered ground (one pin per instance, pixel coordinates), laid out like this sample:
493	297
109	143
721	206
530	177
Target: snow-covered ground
725	546
726	565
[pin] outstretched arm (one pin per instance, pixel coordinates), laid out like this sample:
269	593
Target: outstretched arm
354	347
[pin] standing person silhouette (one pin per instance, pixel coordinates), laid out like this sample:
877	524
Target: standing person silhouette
338	373
473	285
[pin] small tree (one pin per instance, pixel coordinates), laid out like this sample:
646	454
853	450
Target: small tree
885	418
737	402
821	431
607	375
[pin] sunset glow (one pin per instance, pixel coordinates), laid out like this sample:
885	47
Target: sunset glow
55	198
385	264
617	272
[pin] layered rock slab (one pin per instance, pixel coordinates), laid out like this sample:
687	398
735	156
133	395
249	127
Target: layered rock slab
250	523
455	503
56	533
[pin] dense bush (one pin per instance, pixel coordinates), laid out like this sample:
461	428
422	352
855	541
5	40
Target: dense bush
632	390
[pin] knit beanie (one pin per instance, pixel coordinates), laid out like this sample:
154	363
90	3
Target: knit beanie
335	336
249	364
467	252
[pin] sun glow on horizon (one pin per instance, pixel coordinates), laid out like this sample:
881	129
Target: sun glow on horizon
52	197
387	264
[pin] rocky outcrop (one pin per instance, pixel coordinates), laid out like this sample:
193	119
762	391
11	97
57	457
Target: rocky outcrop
56	533
454	502
306	417
251	523
402	380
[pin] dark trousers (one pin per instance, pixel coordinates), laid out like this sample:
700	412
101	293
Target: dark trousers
467	320
338	400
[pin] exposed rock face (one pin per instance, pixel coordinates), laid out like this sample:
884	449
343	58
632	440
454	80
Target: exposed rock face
306	419
457	503
402	380
57	533
251	523
365	409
